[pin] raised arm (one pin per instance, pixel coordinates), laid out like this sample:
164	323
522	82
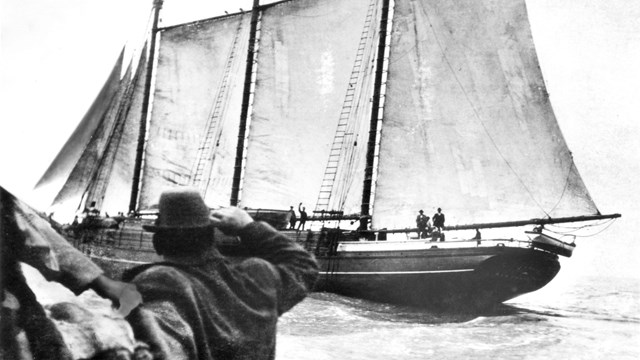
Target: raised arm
297	268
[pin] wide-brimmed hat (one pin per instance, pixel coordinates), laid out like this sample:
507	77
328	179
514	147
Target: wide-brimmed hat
181	209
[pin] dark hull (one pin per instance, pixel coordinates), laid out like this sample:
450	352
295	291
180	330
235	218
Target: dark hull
468	278
473	278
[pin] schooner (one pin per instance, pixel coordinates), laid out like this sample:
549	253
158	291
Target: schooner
364	111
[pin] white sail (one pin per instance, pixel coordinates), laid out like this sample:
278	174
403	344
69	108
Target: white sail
78	161
113	187
198	64
306	56
468	125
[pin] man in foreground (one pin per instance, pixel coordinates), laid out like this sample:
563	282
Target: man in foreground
199	304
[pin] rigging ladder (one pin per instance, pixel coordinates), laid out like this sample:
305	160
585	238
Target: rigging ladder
335	153
201	173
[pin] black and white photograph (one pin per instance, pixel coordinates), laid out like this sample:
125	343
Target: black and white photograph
319	179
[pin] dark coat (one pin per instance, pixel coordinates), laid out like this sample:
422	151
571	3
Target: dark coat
215	308
422	221
438	220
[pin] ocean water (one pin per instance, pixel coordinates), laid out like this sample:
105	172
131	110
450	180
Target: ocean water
573	317
584	318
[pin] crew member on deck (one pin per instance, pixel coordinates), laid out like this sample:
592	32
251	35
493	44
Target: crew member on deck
422	222
303	216
292	218
438	220
478	237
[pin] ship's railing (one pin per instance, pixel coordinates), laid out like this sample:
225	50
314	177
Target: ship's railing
421	244
328	242
129	235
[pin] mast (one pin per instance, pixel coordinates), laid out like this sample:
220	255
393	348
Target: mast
375	111
244	112
135	187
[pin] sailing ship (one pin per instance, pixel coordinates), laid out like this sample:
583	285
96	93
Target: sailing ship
367	110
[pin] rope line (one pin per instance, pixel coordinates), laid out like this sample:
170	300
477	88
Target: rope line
606	225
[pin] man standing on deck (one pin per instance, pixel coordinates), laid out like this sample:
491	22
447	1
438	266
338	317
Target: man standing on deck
292	218
422	223
198	304
438	223
303	216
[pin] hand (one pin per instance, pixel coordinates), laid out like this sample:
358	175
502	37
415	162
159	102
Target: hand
123	295
230	220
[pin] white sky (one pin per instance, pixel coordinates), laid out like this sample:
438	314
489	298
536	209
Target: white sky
56	54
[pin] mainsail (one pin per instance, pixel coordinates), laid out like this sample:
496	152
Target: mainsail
196	109
468	125
306	56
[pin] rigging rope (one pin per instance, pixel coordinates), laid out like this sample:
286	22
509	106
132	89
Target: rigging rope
351	147
212	132
566	185
349	163
342	160
606	225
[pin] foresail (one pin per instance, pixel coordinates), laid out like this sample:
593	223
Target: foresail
115	178
71	171
468	125
305	70
193	129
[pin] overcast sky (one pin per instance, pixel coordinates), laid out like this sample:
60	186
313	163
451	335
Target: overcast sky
56	54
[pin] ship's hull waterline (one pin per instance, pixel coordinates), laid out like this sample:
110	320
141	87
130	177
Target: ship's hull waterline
433	275
440	278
